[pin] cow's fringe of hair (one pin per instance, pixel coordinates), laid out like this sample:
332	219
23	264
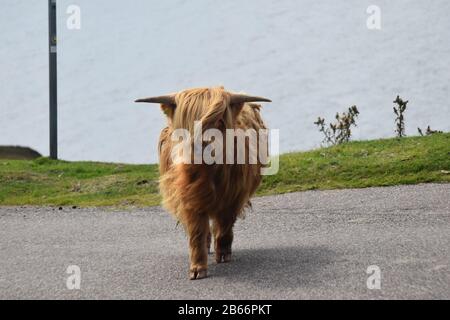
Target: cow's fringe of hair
205	105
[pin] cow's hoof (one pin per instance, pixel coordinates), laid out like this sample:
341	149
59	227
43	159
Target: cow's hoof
227	258
223	257
195	274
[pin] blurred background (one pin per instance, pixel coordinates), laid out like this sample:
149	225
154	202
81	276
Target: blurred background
312	57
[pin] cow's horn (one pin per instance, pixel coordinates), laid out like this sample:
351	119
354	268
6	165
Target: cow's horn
243	98
162	100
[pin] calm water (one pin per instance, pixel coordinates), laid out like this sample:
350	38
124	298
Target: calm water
311	57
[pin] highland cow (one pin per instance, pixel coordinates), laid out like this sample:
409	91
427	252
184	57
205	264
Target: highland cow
197	193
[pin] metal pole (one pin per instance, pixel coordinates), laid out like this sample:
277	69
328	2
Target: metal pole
53	79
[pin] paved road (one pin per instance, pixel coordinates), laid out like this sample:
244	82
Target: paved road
307	245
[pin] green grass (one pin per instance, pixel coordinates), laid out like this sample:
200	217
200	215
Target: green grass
353	165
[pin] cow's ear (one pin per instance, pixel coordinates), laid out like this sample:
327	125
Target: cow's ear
237	107
168	109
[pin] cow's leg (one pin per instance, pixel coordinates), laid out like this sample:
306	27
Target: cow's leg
198	229
208	242
223	237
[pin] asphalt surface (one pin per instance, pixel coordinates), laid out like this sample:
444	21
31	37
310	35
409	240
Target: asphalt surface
311	245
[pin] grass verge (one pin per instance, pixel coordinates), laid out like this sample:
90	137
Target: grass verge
356	164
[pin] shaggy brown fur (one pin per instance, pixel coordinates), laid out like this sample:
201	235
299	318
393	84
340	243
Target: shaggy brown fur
198	193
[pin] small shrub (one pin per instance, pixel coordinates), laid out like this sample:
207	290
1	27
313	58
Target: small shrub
429	132
400	120
339	131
